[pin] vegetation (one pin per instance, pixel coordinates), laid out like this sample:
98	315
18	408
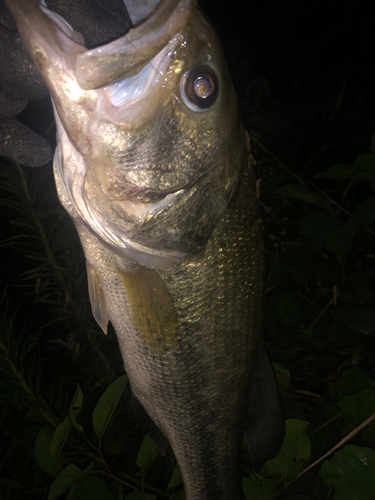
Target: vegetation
67	429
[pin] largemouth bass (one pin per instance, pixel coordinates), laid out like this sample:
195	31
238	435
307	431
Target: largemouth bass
152	164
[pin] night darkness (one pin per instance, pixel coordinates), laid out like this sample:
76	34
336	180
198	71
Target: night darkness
305	78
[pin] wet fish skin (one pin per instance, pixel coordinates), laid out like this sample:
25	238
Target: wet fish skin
199	392
189	322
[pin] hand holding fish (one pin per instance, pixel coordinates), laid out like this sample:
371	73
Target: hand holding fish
20	81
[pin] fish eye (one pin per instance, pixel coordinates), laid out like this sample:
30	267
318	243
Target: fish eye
199	88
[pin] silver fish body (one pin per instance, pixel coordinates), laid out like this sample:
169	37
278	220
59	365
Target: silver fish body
152	165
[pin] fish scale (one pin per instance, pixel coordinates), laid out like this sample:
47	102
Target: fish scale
162	193
203	417
230	390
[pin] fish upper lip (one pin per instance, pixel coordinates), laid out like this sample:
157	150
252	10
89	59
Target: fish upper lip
95	68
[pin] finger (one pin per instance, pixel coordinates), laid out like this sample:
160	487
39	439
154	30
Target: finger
21	144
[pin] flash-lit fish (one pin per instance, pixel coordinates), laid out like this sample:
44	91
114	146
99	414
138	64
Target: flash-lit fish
152	165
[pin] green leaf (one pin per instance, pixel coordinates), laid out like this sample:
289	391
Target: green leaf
258	488
282	375
339	171
364	164
76	403
368	436
107	404
147	448
363	169
42	453
115	440
316	336
363	214
351	472
305	194
351	382
354	393
140	495
176	477
60	436
63	481
358	288
298	497
355	409
178	495
288	311
93	488
359	319
295	450
325	231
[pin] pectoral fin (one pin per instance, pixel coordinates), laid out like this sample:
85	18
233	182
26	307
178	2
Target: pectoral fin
266	431
98	306
151	308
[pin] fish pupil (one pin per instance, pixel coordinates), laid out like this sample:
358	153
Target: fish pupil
201	87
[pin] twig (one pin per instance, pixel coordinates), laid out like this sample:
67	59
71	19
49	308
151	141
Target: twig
338	445
326	423
335	295
308	393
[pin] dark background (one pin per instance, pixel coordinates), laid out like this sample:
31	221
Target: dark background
304	74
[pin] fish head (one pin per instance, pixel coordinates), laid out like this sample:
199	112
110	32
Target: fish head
150	144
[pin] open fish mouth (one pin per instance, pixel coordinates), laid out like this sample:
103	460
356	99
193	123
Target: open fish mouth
156	23
142	124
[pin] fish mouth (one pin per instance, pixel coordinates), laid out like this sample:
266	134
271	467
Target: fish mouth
127	55
146	204
160	234
176	225
137	195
